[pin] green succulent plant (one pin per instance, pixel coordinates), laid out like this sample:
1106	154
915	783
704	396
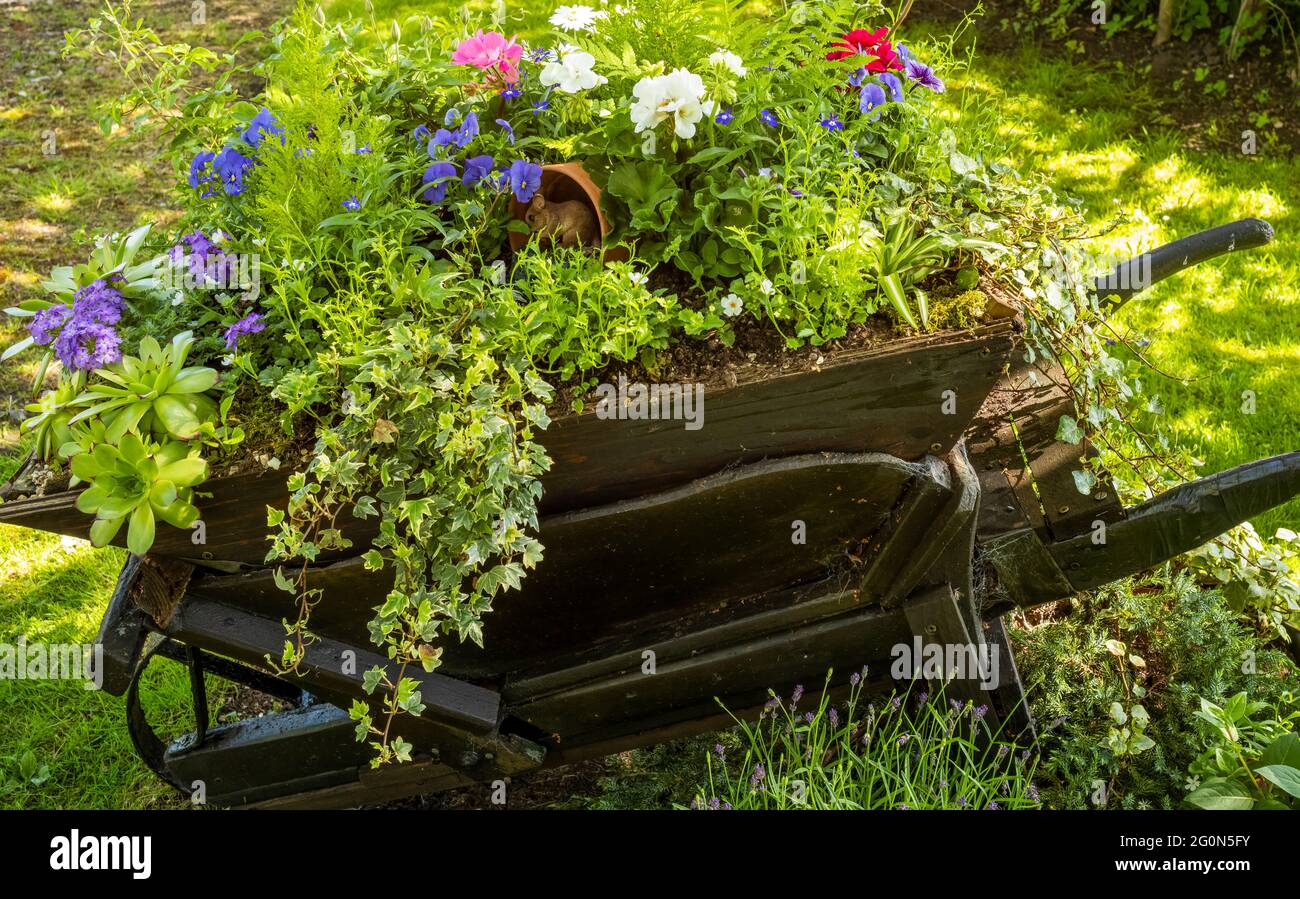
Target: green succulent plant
138	483
51	416
152	393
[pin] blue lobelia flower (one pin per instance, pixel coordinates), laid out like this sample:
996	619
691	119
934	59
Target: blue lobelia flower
725	117
510	132
540	54
831	122
352	204
873	97
525	178
511	93
261	125
541	106
476	169
437	177
769	118
230	166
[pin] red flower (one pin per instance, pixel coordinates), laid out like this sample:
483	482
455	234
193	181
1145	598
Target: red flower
861	42
858	41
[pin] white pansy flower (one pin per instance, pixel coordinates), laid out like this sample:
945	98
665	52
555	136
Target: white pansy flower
678	96
576	18
731	305
572	73
722	57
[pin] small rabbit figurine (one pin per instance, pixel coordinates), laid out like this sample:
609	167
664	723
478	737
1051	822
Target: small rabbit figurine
569	223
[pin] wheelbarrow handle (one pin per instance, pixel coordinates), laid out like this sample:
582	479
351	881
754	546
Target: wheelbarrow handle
1140	272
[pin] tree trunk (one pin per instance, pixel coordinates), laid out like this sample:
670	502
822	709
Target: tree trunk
1165	22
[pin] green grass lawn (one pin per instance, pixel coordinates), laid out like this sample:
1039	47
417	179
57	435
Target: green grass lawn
1093	127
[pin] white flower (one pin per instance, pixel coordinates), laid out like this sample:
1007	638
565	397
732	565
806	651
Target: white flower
576	18
228	360
638	278
721	57
766	287
679	96
572	73
177	298
731	305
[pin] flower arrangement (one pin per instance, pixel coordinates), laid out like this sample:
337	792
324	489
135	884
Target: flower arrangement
342	292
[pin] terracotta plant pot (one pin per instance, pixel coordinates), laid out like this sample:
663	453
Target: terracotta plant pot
560	183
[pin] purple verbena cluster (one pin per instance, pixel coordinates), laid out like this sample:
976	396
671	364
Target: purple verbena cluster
83	335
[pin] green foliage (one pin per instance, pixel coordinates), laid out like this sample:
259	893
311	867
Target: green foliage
139	483
1089	670
1248	761
911	751
153	393
51	416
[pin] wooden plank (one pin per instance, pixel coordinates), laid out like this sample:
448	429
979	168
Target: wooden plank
886	399
706	551
331	670
688	684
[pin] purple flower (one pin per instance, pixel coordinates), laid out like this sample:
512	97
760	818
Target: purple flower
834	717
855	678
719	750
207	261
856	77
923	75
201	172
893	86
756	779
1033	794
715	803
476	169
981	712
796	695
451	117
261	125
230	167
441	138
541	106
511	93
421	133
352	204
46	323
253	323
539	54
510	132
873	97
769	118
993	807
903	738
831	122
725	117
525	178
467	131
361	151
86	339
437	177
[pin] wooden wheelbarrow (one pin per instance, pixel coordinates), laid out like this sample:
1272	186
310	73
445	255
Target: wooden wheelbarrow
822	519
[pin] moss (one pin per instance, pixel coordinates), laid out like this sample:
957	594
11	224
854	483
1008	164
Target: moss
957	309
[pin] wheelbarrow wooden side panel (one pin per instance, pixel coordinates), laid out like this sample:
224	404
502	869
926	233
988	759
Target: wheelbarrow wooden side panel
719	548
886	399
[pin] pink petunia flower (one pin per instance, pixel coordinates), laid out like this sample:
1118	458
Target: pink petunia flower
491	51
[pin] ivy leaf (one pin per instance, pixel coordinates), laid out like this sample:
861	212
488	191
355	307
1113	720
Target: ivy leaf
1084	481
1068	430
